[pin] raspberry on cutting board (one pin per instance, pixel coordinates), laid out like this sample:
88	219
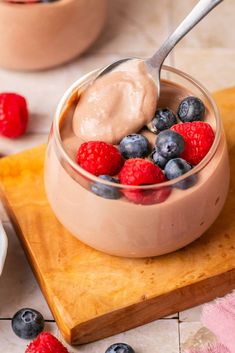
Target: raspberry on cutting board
13	115
99	158
198	137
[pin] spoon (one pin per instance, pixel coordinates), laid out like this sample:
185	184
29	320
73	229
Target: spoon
154	63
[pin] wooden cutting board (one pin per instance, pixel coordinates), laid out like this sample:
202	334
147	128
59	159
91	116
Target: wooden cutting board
93	295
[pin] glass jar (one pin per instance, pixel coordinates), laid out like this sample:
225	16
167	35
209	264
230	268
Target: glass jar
167	217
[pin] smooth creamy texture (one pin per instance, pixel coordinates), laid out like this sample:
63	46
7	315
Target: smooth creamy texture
117	104
122	228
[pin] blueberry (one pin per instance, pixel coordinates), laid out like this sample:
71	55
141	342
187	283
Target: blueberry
158	159
191	109
120	348
27	323
106	191
163	119
170	144
134	146
177	167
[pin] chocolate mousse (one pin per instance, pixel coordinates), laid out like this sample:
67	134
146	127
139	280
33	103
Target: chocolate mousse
136	212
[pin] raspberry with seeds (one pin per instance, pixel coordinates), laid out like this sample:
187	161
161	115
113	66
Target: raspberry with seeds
46	343
13	115
198	137
99	158
139	171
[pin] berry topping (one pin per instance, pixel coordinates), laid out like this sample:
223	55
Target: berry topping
158	159
191	109
46	343
120	348
142	172
170	144
99	158
13	115
163	119
176	167
139	171
198	137
106	191
27	323
134	146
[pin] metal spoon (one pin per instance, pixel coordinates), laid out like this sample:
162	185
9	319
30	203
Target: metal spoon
154	63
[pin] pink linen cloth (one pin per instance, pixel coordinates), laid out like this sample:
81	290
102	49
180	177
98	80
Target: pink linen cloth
217	348
219	318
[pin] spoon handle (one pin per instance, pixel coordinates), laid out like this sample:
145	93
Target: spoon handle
202	8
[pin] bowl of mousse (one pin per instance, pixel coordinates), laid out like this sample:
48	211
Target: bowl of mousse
41	34
132	176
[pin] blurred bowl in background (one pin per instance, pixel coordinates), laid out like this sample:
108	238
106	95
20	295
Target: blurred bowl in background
3	247
43	35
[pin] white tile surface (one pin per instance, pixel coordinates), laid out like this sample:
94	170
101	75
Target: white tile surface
158	336
193	314
214	68
18	287
194	335
134	27
9	146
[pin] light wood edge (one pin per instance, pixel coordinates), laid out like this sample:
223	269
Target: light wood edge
125	318
153	309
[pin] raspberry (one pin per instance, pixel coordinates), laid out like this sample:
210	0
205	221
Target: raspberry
13	115
198	137
99	158
138	171
46	343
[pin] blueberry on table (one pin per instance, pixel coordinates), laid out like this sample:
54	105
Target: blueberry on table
106	191
163	119
134	146
27	323
177	167
170	144
191	109
158	159
120	348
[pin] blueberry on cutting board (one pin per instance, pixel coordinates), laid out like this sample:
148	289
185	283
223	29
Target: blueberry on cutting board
27	323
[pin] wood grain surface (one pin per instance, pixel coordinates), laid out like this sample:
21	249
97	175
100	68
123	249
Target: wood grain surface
93	295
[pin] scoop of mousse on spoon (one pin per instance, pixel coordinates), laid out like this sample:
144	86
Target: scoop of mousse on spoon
123	96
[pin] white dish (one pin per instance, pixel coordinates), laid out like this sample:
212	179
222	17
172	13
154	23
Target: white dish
3	247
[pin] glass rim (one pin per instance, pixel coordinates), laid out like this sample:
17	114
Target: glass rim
168	183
